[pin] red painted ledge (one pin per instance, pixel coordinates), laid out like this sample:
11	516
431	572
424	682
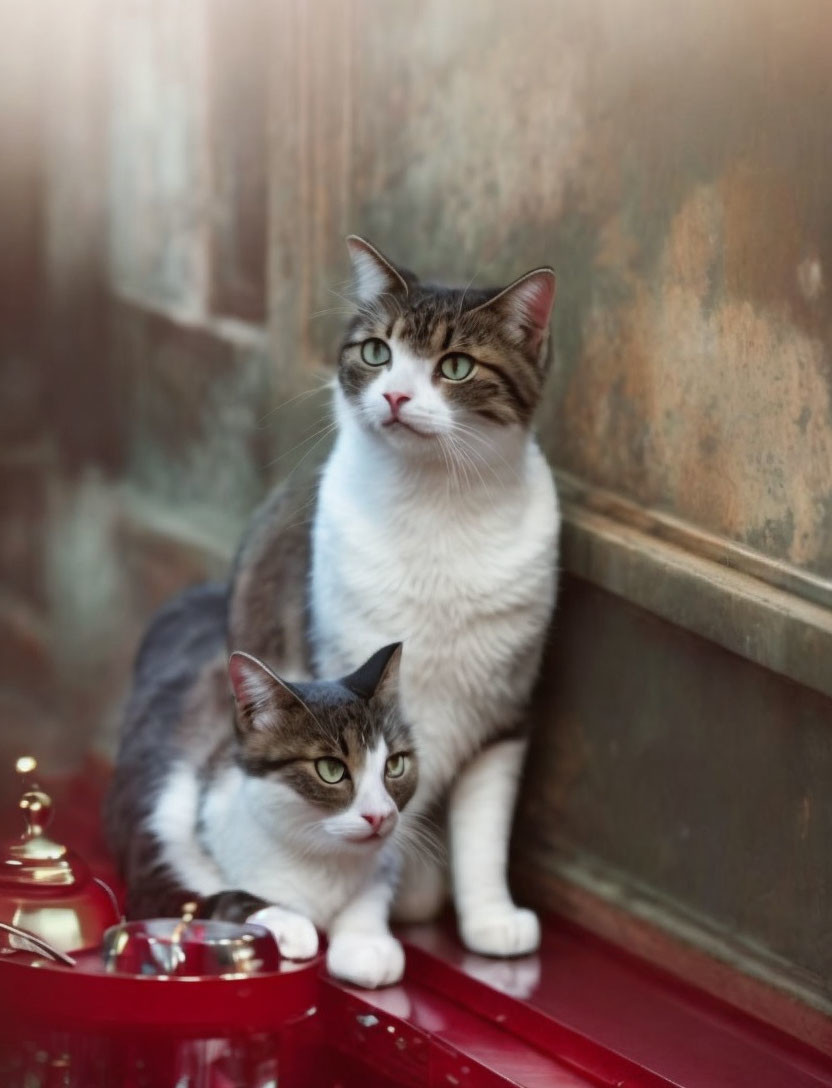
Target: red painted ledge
582	1012
411	1036
611	1016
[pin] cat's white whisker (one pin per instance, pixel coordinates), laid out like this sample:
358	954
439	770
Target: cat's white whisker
300	444
477	461
465	291
478	436
320	435
465	456
331	311
324	381
420	844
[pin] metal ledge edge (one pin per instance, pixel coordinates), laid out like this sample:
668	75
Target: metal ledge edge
720	591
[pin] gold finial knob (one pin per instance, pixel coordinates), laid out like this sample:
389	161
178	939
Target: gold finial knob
36	806
37	811
26	765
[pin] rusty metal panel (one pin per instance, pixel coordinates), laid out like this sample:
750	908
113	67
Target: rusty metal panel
770	612
668	764
694	372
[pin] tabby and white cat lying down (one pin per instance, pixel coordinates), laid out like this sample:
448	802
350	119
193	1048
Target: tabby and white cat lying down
281	818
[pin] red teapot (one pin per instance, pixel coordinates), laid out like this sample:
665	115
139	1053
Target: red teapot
45	888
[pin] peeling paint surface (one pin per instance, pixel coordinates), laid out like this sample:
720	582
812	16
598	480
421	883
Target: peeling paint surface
695	400
691	772
695	376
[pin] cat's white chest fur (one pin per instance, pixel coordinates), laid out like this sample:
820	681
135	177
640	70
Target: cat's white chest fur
466	582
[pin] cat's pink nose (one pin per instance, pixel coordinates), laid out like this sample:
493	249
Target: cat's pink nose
396	400
374	819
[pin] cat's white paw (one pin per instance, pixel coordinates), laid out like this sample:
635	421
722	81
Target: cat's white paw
366	961
296	936
503	930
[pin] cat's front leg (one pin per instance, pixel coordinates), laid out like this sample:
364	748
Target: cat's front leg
362	950
296	935
480	817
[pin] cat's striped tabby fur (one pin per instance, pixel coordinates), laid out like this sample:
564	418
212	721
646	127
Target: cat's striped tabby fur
259	798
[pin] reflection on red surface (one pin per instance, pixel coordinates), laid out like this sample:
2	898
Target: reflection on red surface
611	1016
580	1013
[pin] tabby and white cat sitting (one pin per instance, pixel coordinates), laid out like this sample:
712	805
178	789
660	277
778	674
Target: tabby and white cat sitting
436	525
281	817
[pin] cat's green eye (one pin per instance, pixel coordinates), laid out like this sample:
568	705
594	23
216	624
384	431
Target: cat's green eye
375	352
396	765
457	367
330	770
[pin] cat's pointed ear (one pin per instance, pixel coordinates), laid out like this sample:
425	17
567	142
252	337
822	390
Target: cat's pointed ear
259	696
374	274
379	675
527	304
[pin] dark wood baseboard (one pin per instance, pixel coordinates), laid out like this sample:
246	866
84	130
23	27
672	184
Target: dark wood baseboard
654	934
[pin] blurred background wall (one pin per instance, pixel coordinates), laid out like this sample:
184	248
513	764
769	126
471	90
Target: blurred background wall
176	180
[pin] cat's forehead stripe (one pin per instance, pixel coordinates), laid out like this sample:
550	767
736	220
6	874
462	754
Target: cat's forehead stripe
361	737
333	721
